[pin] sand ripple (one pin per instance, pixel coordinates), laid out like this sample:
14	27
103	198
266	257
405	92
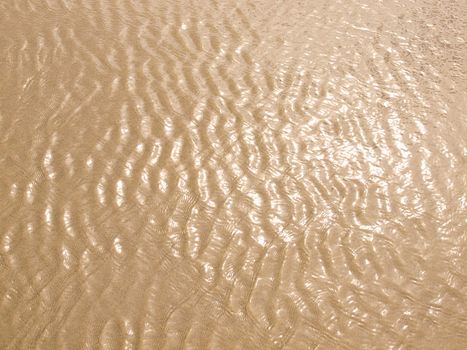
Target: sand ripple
233	174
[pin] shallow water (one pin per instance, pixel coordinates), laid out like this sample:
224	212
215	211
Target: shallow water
233	174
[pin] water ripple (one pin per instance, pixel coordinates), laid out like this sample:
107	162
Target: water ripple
233	175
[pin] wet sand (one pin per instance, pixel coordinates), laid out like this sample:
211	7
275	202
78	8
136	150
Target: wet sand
233	174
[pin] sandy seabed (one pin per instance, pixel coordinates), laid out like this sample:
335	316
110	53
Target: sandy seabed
233	174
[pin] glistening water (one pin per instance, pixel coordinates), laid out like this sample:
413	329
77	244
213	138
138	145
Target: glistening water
235	174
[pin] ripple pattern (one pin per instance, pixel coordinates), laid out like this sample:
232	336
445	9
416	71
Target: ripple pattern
233	174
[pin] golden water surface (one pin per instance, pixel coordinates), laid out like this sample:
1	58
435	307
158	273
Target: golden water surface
223	174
